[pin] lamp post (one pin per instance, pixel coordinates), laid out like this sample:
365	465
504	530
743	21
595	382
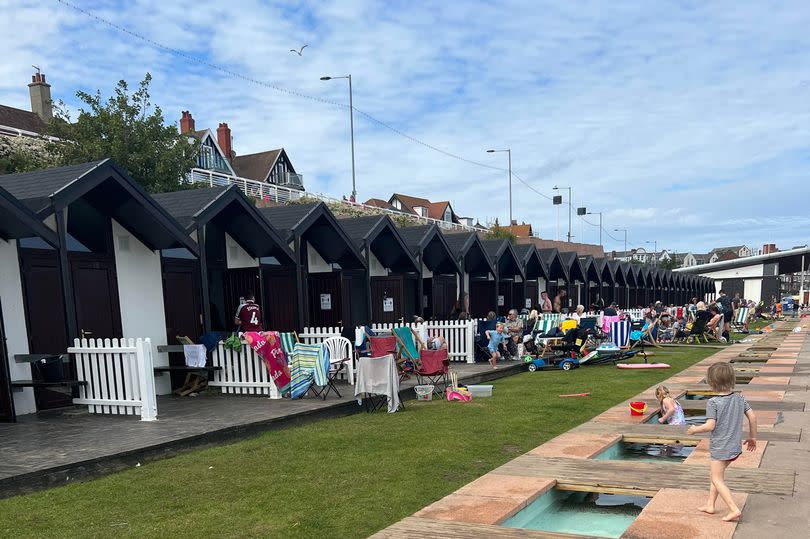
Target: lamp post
655	250
625	238
599	213
569	209
509	154
351	129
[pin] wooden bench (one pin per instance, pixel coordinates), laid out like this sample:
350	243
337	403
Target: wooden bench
18	385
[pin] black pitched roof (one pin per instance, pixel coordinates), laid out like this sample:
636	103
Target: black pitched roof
573	266
533	265
503	257
317	225
428	239
467	247
380	235
556	267
107	187
233	212
17	221
591	268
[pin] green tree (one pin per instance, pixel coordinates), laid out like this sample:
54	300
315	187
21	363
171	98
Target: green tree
20	160
496	233
128	128
669	264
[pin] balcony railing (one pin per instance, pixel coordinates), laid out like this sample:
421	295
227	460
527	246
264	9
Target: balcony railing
281	194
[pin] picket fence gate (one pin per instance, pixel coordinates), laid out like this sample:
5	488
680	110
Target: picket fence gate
119	376
242	373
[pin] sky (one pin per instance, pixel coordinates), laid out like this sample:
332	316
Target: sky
686	123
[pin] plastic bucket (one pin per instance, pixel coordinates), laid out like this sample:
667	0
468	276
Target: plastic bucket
638	408
424	393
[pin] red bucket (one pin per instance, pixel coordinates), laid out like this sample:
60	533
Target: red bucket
638	408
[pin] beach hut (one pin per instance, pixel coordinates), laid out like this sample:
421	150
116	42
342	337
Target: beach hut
577	293
393	273
477	292
557	270
329	285
535	272
508	274
438	286
104	278
593	279
619	283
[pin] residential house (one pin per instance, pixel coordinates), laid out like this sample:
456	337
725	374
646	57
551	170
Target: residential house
441	211
694	259
729	253
215	153
19	122
523	230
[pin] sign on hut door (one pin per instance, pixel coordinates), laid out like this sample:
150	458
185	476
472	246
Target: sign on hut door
388	305
326	302
500	301
528	303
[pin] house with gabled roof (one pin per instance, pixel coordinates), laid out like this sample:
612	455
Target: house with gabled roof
441	211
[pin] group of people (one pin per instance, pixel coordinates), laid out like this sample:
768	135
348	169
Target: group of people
675	321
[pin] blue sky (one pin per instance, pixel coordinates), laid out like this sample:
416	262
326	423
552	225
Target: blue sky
687	123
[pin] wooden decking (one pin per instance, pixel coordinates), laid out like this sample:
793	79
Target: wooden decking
646	478
670	432
427	528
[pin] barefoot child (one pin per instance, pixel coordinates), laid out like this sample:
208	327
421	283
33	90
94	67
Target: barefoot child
724	415
671	411
495	339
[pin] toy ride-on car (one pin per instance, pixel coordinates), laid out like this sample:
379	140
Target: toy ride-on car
560	362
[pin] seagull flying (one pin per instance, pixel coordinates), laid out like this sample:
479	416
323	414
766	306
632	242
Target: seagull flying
299	51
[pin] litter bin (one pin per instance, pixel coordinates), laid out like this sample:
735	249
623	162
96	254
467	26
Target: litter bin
787	305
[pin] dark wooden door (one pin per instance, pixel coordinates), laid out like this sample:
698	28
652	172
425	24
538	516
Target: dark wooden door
95	288
280	298
387	295
531	293
505	290
444	295
182	302
238	283
44	318
482	298
325	299
353	295
6	399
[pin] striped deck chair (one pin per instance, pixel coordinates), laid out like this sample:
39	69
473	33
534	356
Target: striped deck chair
309	368
648	337
407	349
288	341
741	318
543	326
620	333
556	317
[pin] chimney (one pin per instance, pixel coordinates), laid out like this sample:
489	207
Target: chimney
40	92
225	140
186	123
768	248
514	222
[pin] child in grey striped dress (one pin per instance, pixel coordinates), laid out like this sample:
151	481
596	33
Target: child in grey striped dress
724	417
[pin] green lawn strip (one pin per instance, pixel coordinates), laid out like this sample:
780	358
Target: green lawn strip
343	477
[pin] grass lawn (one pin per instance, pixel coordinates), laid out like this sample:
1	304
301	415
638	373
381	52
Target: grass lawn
345	477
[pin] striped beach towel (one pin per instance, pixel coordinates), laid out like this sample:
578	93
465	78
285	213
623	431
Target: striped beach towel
288	340
310	364
620	333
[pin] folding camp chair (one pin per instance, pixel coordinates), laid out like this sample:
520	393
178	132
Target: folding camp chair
382	345
619	333
433	370
698	331
339	350
309	368
481	341
588	322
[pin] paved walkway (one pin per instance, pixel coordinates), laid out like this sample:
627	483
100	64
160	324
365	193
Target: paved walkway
771	484
52	448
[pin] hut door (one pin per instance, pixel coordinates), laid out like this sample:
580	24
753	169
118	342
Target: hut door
182	299
325	299
6	400
530	295
280	298
96	290
444	295
387	296
238	282
482	297
505	290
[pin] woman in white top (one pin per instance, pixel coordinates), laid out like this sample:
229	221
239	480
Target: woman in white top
577	315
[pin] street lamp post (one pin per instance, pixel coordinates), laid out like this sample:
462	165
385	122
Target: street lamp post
509	154
655	250
569	209
625	238
351	130
599	213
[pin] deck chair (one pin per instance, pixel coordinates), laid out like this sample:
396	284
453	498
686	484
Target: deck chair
339	350
408	346
619	333
649	337
288	340
435	365
556	317
607	321
741	318
543	326
589	322
698	331
542	340
309	368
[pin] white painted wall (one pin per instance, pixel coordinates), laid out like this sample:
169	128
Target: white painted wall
376	268
14	319
755	270
753	290
140	295
315	262
238	257
426	273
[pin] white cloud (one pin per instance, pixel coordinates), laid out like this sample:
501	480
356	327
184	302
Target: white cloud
677	121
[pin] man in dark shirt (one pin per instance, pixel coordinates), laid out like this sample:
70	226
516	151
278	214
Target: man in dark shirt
249	316
728	312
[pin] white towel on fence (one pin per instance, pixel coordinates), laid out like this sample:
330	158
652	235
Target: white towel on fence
195	355
359	336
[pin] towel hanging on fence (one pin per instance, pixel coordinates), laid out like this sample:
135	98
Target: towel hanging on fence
195	355
288	340
268	346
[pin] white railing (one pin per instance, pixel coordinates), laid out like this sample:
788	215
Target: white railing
119	376
242	373
278	193
459	335
318	335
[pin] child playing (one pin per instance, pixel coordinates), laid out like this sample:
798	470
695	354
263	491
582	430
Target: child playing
495	339
724	415
671	411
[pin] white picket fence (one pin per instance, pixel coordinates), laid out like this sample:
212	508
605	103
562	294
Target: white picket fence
242	373
459	335
119	375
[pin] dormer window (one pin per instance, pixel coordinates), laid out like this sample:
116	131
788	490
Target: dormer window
448	215
397	204
421	211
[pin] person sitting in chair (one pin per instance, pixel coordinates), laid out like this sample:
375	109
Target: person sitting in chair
514	328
